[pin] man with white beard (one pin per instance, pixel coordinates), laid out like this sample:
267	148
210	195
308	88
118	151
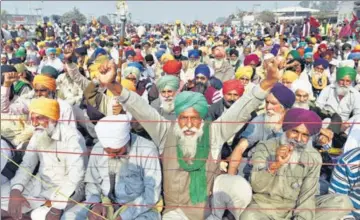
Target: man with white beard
189	181
264	126
303	94
51	60
341	98
60	175
285	176
129	173
167	86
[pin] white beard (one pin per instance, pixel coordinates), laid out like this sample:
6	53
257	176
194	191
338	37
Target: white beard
115	164
188	144
218	63
271	121
342	90
298	149
303	105
42	139
233	62
167	104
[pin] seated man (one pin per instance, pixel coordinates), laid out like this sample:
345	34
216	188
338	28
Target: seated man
345	179
285	176
129	175
278	102
167	86
63	172
44	86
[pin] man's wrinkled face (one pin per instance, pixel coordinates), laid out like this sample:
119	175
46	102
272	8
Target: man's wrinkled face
301	96
41	91
167	93
298	136
52	56
273	106
39	122
189	119
343	86
231	97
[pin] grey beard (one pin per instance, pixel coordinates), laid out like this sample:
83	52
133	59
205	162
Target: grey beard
341	90
115	165
188	144
271	121
200	87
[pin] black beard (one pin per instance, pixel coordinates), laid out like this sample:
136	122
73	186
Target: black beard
200	87
228	104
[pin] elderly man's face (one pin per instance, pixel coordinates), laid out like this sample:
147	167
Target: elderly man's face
52	56
346	81
273	106
39	121
231	97
41	91
113	153
301	96
167	93
299	135
189	118
132	78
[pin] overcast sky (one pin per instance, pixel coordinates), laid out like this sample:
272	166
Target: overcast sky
147	11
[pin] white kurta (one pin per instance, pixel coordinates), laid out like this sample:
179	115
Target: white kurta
64	172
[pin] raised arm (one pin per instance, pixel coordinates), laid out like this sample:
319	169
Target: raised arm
156	126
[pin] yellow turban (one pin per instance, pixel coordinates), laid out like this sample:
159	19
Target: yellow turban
94	68
166	57
47	81
46	107
290	76
177	22
313	40
9	42
244	71
41	44
58	51
128	84
18	39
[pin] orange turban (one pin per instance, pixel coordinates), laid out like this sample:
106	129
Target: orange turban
233	84
46	81
172	67
128	84
46	107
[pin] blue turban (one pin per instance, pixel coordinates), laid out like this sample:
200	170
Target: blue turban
275	50
308	49
284	95
354	56
308	55
320	61
188	99
163	46
50	50
130	53
159	54
194	53
202	69
137	65
99	51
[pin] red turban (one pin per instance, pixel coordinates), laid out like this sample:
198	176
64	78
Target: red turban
251	58
233	85
172	67
323	46
138	58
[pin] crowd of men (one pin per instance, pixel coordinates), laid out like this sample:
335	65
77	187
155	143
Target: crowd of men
180	123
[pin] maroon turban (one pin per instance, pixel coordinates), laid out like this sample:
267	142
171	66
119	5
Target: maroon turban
251	58
233	84
297	116
176	49
172	67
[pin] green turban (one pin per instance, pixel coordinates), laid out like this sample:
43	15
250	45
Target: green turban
51	71
131	70
20	67
345	71
295	54
168	82
21	52
187	99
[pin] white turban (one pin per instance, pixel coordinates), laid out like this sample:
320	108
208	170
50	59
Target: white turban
347	63
112	134
302	85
